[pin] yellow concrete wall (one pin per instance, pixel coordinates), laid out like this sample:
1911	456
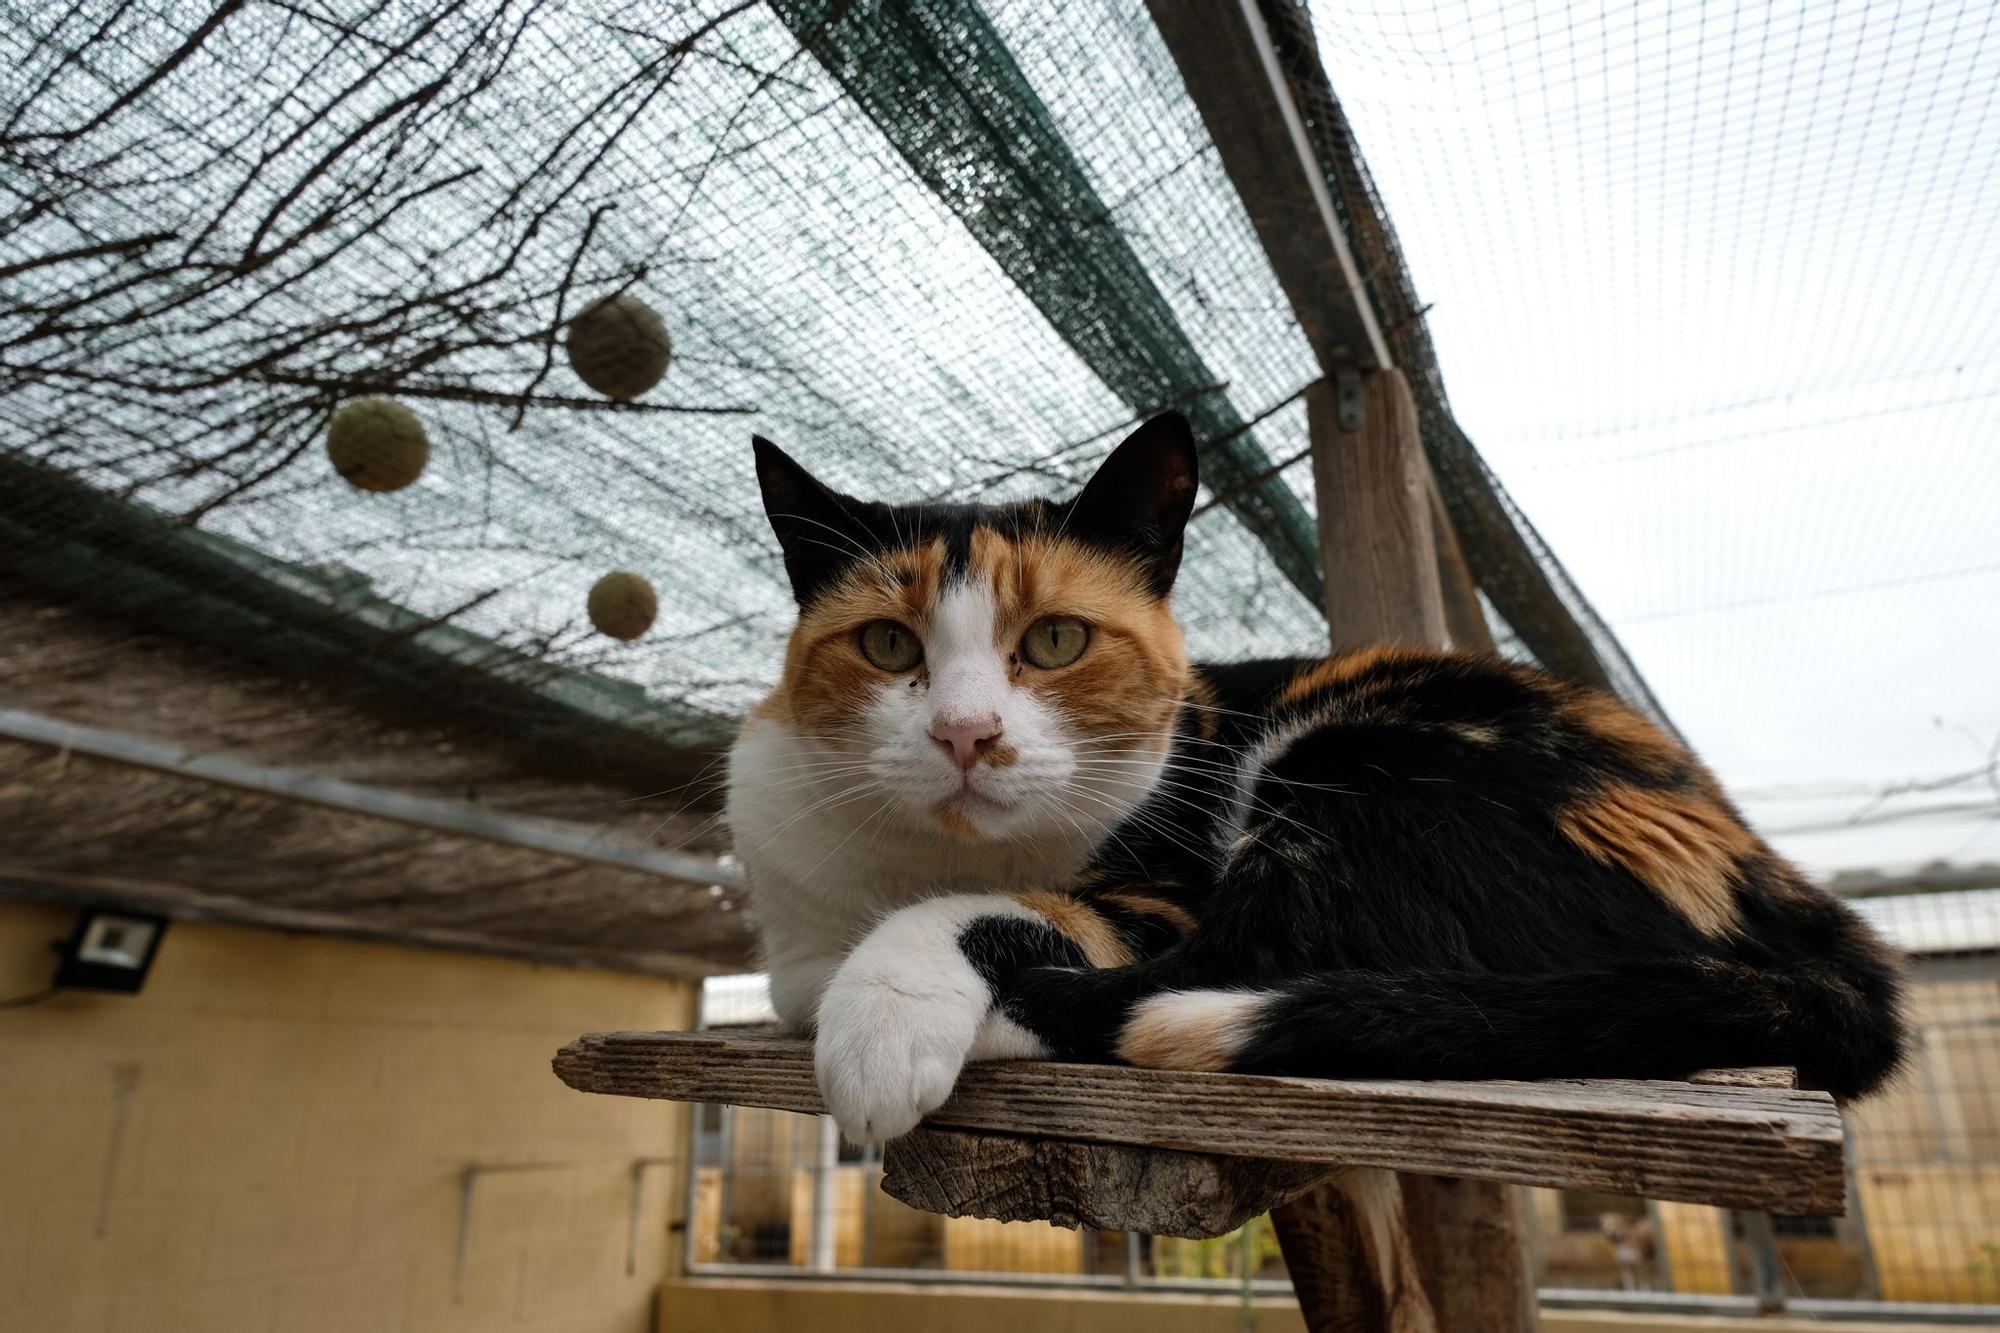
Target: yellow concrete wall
1935	1227
300	1112
980	1245
1696	1240
1926	1165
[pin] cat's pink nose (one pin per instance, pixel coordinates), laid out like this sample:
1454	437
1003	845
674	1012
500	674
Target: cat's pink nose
966	740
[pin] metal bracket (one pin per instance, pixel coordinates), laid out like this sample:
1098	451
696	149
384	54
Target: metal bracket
1347	412
468	1181
632	1223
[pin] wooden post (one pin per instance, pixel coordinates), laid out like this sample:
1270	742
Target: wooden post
1472	1237
1463	618
1347	1247
1375	530
1471	1244
1389	551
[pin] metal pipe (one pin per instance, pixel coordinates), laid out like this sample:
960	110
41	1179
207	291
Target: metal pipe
821	1243
382	803
1554	1298
468	1182
632	1223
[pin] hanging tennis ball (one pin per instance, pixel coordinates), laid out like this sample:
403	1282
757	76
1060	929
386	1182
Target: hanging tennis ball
622	605
619	346
377	444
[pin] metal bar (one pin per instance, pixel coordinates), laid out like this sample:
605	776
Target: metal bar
691	1192
632	1223
821	1243
1553	1298
1644	1302
335	794
1857	1218
1983	1316
1663	1264
468	1183
1767	1275
725	1187
124	1085
871	1172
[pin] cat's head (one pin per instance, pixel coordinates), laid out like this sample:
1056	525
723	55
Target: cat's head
1000	672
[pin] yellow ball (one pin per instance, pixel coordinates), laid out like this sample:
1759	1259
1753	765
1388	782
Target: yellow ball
377	444
622	604
619	346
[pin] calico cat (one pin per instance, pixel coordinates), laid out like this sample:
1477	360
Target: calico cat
991	811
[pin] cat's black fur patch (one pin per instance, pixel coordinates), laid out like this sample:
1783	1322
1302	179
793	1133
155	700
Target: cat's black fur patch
1000	948
1135	506
1409	897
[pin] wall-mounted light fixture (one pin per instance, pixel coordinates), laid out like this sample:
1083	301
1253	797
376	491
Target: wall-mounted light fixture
111	949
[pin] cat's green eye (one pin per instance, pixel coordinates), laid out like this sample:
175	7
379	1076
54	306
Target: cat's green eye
891	646
1055	641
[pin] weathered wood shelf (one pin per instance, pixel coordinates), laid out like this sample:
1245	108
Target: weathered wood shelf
1758	1146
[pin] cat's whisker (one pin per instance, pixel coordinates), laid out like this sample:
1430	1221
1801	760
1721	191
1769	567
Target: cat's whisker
1168	789
1232	773
834	801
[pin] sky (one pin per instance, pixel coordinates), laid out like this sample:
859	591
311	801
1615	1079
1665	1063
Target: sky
1714	293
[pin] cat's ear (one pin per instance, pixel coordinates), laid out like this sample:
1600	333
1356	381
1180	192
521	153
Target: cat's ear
816	525
1139	499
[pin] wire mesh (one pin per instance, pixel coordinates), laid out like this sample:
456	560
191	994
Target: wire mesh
937	250
224	224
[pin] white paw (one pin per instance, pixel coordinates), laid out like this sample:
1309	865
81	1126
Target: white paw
890	1047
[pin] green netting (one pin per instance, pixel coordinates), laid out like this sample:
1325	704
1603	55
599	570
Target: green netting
934	249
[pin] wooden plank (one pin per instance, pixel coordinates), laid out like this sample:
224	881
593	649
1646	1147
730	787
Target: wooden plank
1375	519
1231	72
1772	1148
1113	1187
1767	1077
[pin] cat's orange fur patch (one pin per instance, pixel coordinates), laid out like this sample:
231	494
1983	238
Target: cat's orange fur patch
1129	682
826	681
1686	848
1146	904
1201	1030
954	822
1132	675
1091	933
1342	668
1612	721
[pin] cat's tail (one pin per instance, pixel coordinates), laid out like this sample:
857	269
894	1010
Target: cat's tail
1839	1025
